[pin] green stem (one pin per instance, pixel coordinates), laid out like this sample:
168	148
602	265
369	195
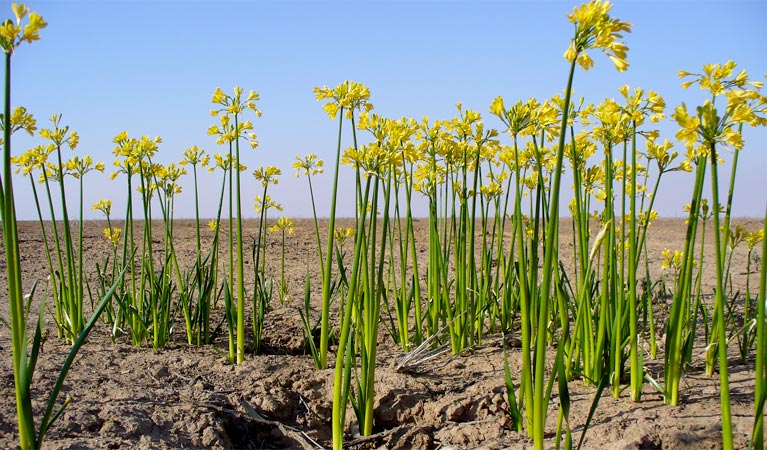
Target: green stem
539	409
240	262
724	379
760	390
325	318
22	378
636	367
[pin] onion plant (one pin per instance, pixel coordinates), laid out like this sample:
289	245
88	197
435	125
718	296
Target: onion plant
197	288
407	289
378	162
309	166
107	272
146	305
715	125
67	277
343	101
283	225
594	28
25	357
230	109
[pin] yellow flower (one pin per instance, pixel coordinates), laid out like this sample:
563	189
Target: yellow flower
516	118
79	167
640	106
233	106
309	165
12	35
347	96
267	175
266	203
342	234
737	236
20	120
754	238
647	217
283	224
594	28
223	162
60	136
33	159
113	234
671	259
710	125
104	206
195	155
491	190
660	153
213	225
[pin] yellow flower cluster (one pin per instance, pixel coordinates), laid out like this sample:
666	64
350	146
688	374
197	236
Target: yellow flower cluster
283	224
754	238
166	178
709	125
20	120
391	147
347	96
133	154
671	259
33	159
265	204
12	34
113	234
267	175
194	156
232	107
59	135
105	206
79	167
342	234
594	28
308	165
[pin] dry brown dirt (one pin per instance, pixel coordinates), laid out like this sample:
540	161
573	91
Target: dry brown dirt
188	397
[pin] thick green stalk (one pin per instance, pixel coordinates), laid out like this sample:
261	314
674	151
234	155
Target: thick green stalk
74	293
539	419
325	318
472	267
240	262
402	300
373	312
760	390
197	214
636	367
608	276
526	317
724	379
232	168
339	380
80	313
259	302
418	337
677	322
21	376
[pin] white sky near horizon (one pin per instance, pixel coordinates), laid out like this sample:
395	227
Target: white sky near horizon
150	68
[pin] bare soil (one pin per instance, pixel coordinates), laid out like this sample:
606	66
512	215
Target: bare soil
184	396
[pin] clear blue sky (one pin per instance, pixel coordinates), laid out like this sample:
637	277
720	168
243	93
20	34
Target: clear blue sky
150	67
